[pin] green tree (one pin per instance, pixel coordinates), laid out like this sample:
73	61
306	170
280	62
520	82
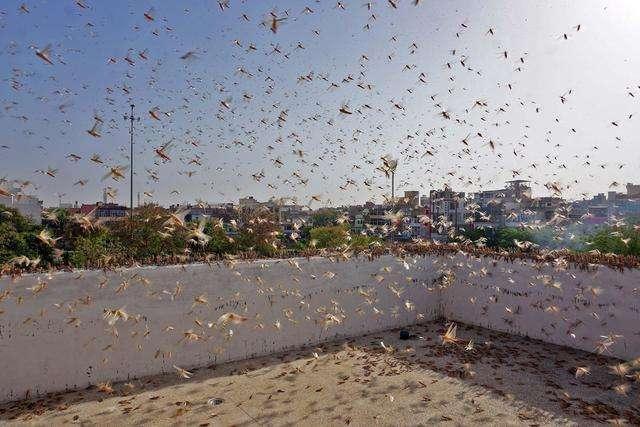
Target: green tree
18	238
260	233
95	249
506	237
324	217
488	234
616	240
220	243
151	233
329	237
361	241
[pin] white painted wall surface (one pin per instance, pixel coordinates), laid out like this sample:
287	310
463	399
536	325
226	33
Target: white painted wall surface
570	307
57	339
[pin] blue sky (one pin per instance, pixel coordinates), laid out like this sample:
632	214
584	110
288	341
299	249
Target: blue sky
215	150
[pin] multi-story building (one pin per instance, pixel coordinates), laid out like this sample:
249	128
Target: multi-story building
448	205
419	224
111	211
291	217
411	198
357	223
107	211
633	191
546	207
223	211
28	206
628	208
601	207
509	206
248	204
376	215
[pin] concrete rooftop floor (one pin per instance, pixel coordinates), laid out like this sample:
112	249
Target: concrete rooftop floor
504	380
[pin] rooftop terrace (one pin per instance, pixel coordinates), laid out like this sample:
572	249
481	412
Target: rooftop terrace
503	379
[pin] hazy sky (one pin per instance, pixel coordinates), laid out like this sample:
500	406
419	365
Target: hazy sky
284	92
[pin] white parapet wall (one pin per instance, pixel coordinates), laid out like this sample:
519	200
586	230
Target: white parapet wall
595	309
54	336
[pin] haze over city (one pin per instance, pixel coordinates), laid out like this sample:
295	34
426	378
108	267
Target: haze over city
465	93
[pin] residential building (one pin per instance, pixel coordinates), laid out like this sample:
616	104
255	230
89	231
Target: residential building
248	204
633	191
28	206
508	206
411	198
448	205
109	211
224	211
546	207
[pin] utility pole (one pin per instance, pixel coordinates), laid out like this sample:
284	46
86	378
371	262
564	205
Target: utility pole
393	186
389	166
131	118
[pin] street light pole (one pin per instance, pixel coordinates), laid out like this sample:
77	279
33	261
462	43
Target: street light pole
131	118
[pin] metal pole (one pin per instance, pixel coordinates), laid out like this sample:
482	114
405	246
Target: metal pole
131	171
393	194
131	118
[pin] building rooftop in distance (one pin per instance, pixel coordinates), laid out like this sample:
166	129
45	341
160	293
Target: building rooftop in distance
503	380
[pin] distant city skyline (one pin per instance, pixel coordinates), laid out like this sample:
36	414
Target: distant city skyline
469	94
400	194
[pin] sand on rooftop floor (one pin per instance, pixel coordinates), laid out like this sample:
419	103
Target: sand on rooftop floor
503	380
